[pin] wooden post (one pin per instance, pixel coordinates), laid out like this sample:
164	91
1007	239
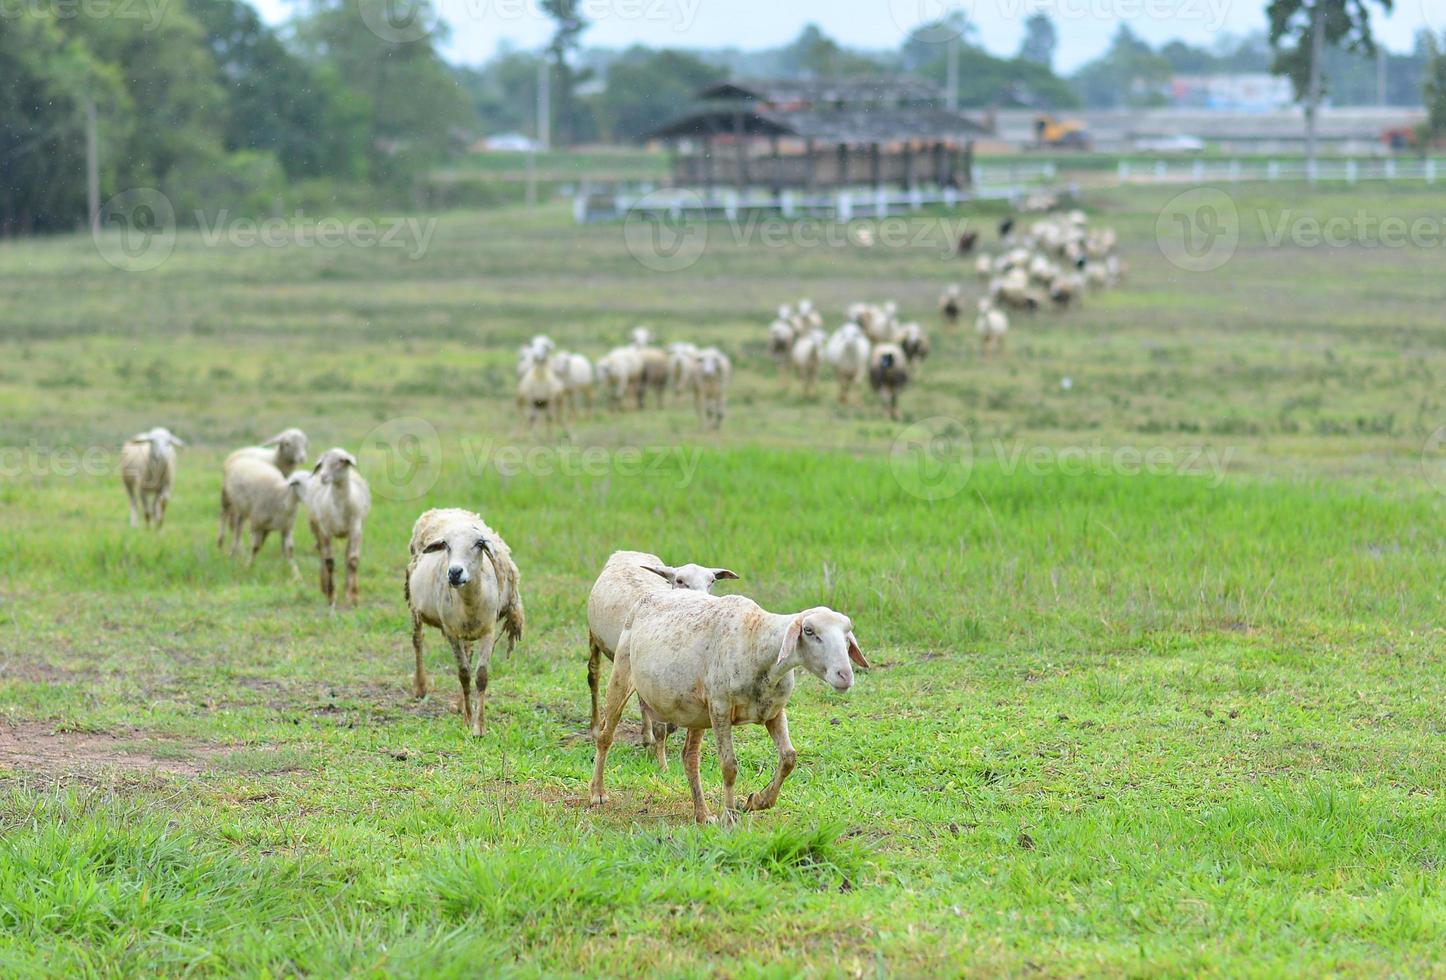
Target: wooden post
875	167
969	163
940	177
811	165
843	165
742	149
908	152
777	166
708	165
92	167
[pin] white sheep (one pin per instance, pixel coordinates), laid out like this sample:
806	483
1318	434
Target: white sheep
620	373
806	354
462	581
781	335
984	268
576	374
682	369
255	493
625	578
654	375
148	470
338	501
714	372
992	326
847	353
888	375
702	662
540	393
286	451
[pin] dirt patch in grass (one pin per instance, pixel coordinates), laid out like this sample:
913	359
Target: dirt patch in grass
39	747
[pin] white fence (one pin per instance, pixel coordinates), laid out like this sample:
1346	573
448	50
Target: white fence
999	182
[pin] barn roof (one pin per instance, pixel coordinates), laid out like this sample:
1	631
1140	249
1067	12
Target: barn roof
824	91
855	125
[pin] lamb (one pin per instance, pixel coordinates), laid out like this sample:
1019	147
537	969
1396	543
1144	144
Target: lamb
576	374
626	577
915	344
781	335
540	392
714	371
462	581
848	354
255	492
807	350
950	306
702	662
148	470
888	375
286	451
808	318
984	268
682	369
620	373
338	501
992	325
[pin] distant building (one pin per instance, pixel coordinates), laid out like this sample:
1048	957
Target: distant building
813	133
1242	92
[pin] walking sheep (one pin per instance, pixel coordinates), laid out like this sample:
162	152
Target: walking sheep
338	501
256	493
148	469
992	325
714	371
462	581
888	374
541	393
950	305
806	353
286	451
848	354
702	662
625	578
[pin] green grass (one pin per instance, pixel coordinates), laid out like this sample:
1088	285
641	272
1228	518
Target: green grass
1120	720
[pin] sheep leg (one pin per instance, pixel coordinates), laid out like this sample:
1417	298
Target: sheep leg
484	658
620	688
419	679
258	538
160	508
288	551
464	677
692	757
135	516
237	522
787	758
353	568
723	734
328	564
594	669
225	521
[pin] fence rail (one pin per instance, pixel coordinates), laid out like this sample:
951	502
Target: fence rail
988	182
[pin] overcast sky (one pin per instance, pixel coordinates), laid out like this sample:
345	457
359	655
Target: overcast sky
1085	26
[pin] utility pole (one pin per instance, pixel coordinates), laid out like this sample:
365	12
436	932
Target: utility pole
1312	98
951	85
1380	74
92	167
544	104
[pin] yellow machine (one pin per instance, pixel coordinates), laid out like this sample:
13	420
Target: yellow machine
1060	134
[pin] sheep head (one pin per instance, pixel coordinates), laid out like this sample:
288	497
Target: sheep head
822	642
694	578
463	546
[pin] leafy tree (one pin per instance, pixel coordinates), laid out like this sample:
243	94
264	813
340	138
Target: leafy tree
1040	40
647	88
566	36
1129	74
1300	33
1433	87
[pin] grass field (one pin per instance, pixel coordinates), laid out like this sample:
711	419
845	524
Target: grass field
1157	654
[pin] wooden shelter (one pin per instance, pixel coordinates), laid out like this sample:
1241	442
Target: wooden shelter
815	134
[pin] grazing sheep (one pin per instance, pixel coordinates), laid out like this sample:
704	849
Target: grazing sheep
625	578
462	581
915	344
682	369
807	350
620	373
714	371
338	501
888	375
286	451
702	662
148	469
950	305
576	374
848	354
256	493
540	392
992	325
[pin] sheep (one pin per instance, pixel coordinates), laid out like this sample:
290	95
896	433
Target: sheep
682	369
576	374
888	375
915	344
625	578
1066	289
148	469
805	356
992	325
338	501
714	371
540	392
654	375
641	337
848	354
949	305
255	492
461	580
984	268
967	241
620	373
286	451
702	662
781	335
808	318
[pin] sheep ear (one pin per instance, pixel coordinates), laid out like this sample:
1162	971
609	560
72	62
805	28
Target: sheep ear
855	654
142	437
790	641
348	459
666	572
720	573
434	547
272	441
178	441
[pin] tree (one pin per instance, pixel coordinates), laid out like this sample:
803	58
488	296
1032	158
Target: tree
1300	33
566	36
647	88
1130	73
1433	87
1040	40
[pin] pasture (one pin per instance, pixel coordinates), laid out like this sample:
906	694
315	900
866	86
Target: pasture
1157	674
